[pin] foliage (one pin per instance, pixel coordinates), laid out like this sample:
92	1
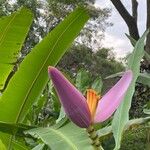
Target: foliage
24	85
136	139
2	146
49	13
141	94
131	21
98	64
84	81
140	99
27	96
68	137
19	21
121	116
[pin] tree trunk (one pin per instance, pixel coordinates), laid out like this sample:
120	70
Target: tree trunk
129	20
148	26
134	9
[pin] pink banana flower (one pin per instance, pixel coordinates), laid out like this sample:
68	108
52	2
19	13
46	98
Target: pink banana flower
92	109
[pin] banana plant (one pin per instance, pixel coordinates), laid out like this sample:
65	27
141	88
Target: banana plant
28	82
121	116
13	31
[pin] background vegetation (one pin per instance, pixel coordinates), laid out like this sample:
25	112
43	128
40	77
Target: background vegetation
86	63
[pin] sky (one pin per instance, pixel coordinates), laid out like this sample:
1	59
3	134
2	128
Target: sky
115	36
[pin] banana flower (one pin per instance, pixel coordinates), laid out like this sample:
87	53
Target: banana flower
92	109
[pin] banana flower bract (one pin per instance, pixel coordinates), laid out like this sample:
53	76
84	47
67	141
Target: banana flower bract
92	109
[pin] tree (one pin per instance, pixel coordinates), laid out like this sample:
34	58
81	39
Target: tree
100	63
142	92
48	14
90	35
131	21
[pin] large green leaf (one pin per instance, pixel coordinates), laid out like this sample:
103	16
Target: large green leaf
13	31
2	146
39	147
82	80
18	129
19	146
121	116
97	85
69	137
29	81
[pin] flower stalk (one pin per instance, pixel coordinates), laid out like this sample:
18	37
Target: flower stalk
94	138
85	111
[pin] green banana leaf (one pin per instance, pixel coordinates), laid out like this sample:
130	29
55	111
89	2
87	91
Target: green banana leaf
18	129
97	85
82	80
68	137
29	81
2	146
121	116
13	31
19	146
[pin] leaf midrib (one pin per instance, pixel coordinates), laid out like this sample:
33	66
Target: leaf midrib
29	91
65	138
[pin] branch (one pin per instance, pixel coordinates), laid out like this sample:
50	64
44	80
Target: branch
134	9
130	21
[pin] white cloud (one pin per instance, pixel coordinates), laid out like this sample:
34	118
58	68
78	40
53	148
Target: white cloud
102	3
120	46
